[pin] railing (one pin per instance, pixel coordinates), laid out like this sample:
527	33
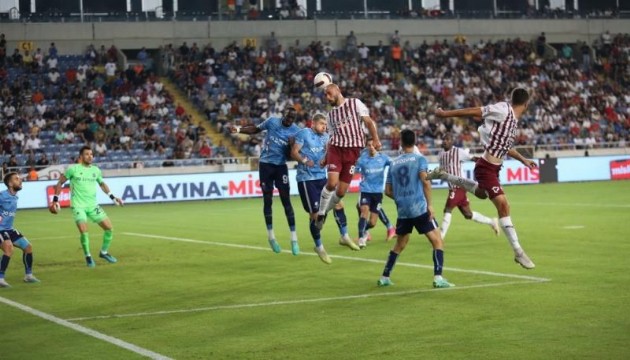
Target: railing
161	15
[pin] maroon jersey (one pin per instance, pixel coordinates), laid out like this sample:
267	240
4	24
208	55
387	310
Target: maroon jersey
345	124
451	160
499	128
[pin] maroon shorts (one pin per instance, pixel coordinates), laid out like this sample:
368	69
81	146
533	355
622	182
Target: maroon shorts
487	176
457	198
342	160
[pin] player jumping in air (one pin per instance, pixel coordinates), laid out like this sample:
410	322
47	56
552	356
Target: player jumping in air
451	158
273	170
497	133
309	150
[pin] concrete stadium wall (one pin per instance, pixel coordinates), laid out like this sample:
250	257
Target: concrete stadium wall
72	38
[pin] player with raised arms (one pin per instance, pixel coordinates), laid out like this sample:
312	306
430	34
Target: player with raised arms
451	158
273	171
345	121
497	133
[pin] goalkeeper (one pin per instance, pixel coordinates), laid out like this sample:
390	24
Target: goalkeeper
83	177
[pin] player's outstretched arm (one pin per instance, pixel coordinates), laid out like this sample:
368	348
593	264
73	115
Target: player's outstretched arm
466	112
516	155
118	201
371	126
247	129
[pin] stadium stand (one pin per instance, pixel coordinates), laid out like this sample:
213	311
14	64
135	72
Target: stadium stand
580	100
127	116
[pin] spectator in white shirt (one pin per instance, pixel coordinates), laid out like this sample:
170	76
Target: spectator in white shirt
110	69
100	148
32	143
18	137
52	62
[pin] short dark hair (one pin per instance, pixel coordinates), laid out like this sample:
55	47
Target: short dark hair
407	138
83	148
520	96
7	177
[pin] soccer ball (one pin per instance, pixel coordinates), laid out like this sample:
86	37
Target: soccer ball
54	208
322	80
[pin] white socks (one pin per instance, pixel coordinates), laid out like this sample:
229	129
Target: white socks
327	201
446	222
334	200
324	201
482	219
510	232
270	234
294	235
468	184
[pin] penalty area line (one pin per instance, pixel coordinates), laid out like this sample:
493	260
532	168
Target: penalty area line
352	258
300	301
84	330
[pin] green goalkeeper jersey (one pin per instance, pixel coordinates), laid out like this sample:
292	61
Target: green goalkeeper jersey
83	180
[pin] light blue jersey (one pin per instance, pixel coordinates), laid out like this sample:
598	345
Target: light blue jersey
406	185
313	148
276	145
372	170
8	207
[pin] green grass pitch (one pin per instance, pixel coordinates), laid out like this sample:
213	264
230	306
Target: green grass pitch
197	280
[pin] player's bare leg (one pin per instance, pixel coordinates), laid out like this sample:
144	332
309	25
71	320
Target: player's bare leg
503	209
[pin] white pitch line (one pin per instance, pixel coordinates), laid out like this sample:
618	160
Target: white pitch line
87	331
298	301
260	248
573	227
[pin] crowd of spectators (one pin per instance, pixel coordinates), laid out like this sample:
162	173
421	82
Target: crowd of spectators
52	104
124	114
580	97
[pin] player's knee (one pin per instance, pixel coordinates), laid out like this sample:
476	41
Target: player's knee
504	209
28	249
7	248
468	216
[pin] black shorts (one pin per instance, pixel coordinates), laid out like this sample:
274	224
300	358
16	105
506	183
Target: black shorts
422	223
273	175
373	200
310	193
